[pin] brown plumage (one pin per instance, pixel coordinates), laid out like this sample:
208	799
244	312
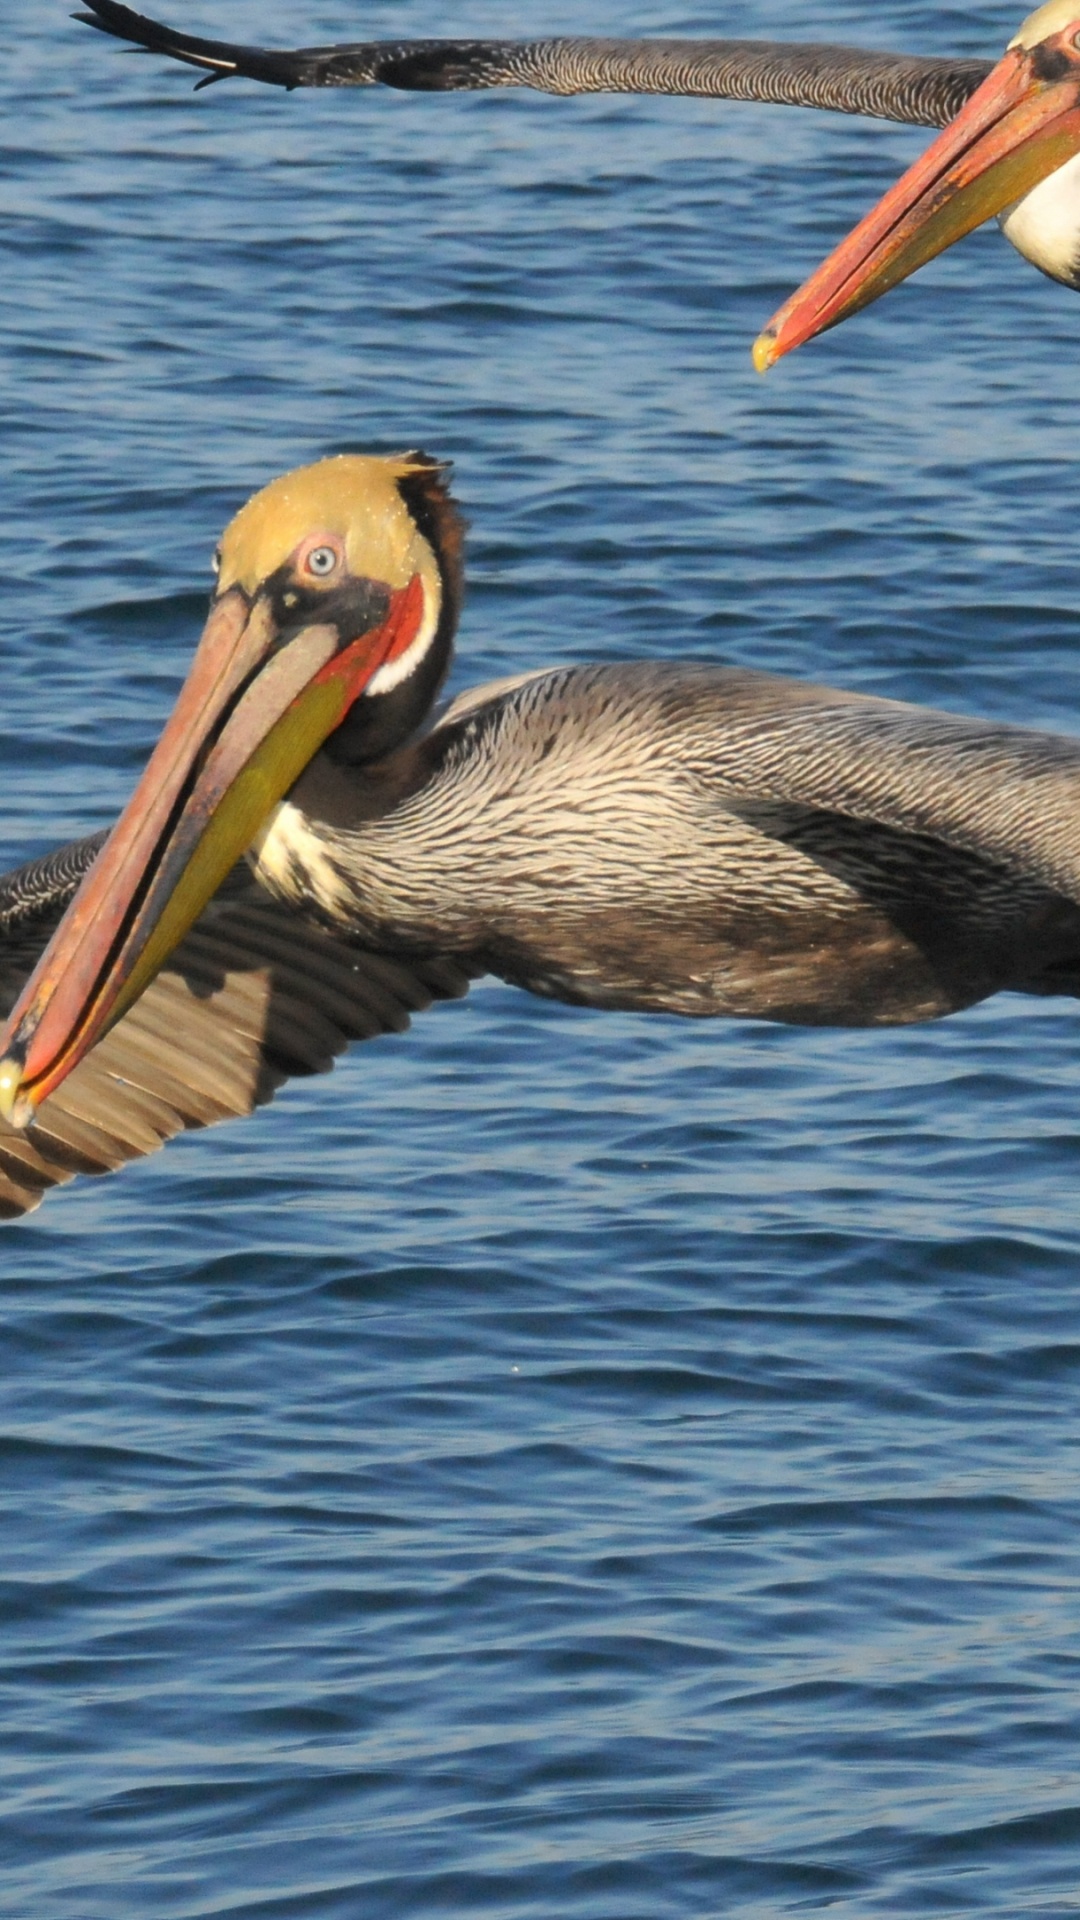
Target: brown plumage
704	840
250	999
677	837
885	86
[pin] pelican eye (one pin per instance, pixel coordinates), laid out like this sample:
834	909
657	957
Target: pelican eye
321	561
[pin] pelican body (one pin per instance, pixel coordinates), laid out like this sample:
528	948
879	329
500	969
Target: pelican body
664	837
660	837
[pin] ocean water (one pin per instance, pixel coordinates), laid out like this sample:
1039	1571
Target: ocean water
561	1464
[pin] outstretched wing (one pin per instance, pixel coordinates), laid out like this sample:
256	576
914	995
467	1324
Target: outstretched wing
252	997
884	86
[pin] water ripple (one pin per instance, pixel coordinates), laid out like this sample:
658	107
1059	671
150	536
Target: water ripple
563	1463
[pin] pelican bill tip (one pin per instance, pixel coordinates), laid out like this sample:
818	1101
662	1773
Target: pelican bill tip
15	1106
763	352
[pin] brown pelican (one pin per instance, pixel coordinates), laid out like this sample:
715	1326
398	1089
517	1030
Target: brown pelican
690	838
1012	151
1044	225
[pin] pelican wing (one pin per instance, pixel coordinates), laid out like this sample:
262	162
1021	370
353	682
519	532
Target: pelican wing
252	997
1001	793
883	86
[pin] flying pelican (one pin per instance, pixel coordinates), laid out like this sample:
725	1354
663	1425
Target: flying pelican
1044	225
1002	154
687	838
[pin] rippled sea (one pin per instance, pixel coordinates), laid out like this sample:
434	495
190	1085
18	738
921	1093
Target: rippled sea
563	1466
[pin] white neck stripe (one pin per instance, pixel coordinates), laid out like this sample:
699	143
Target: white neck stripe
394	672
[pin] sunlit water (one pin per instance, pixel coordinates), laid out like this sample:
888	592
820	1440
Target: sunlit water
562	1465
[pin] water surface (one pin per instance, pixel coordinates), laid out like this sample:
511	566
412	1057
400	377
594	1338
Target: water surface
563	1464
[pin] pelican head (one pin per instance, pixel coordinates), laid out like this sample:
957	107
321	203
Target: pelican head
337	594
1014	151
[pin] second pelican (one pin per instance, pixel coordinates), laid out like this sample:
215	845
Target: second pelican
1042	222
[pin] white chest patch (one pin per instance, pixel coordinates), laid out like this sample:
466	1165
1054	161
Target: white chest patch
1045	225
291	859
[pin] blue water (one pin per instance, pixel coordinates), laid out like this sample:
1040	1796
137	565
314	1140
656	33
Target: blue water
562	1467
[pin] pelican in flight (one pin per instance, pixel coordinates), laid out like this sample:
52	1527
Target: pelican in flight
1042	222
1012	150
655	836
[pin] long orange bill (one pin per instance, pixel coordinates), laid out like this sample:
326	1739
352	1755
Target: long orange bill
249	717
1022	124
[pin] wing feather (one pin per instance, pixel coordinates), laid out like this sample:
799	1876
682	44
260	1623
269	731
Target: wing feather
885	86
251	997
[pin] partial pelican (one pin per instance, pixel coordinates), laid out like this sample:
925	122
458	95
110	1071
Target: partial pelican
251	997
926	92
1007	153
655	836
